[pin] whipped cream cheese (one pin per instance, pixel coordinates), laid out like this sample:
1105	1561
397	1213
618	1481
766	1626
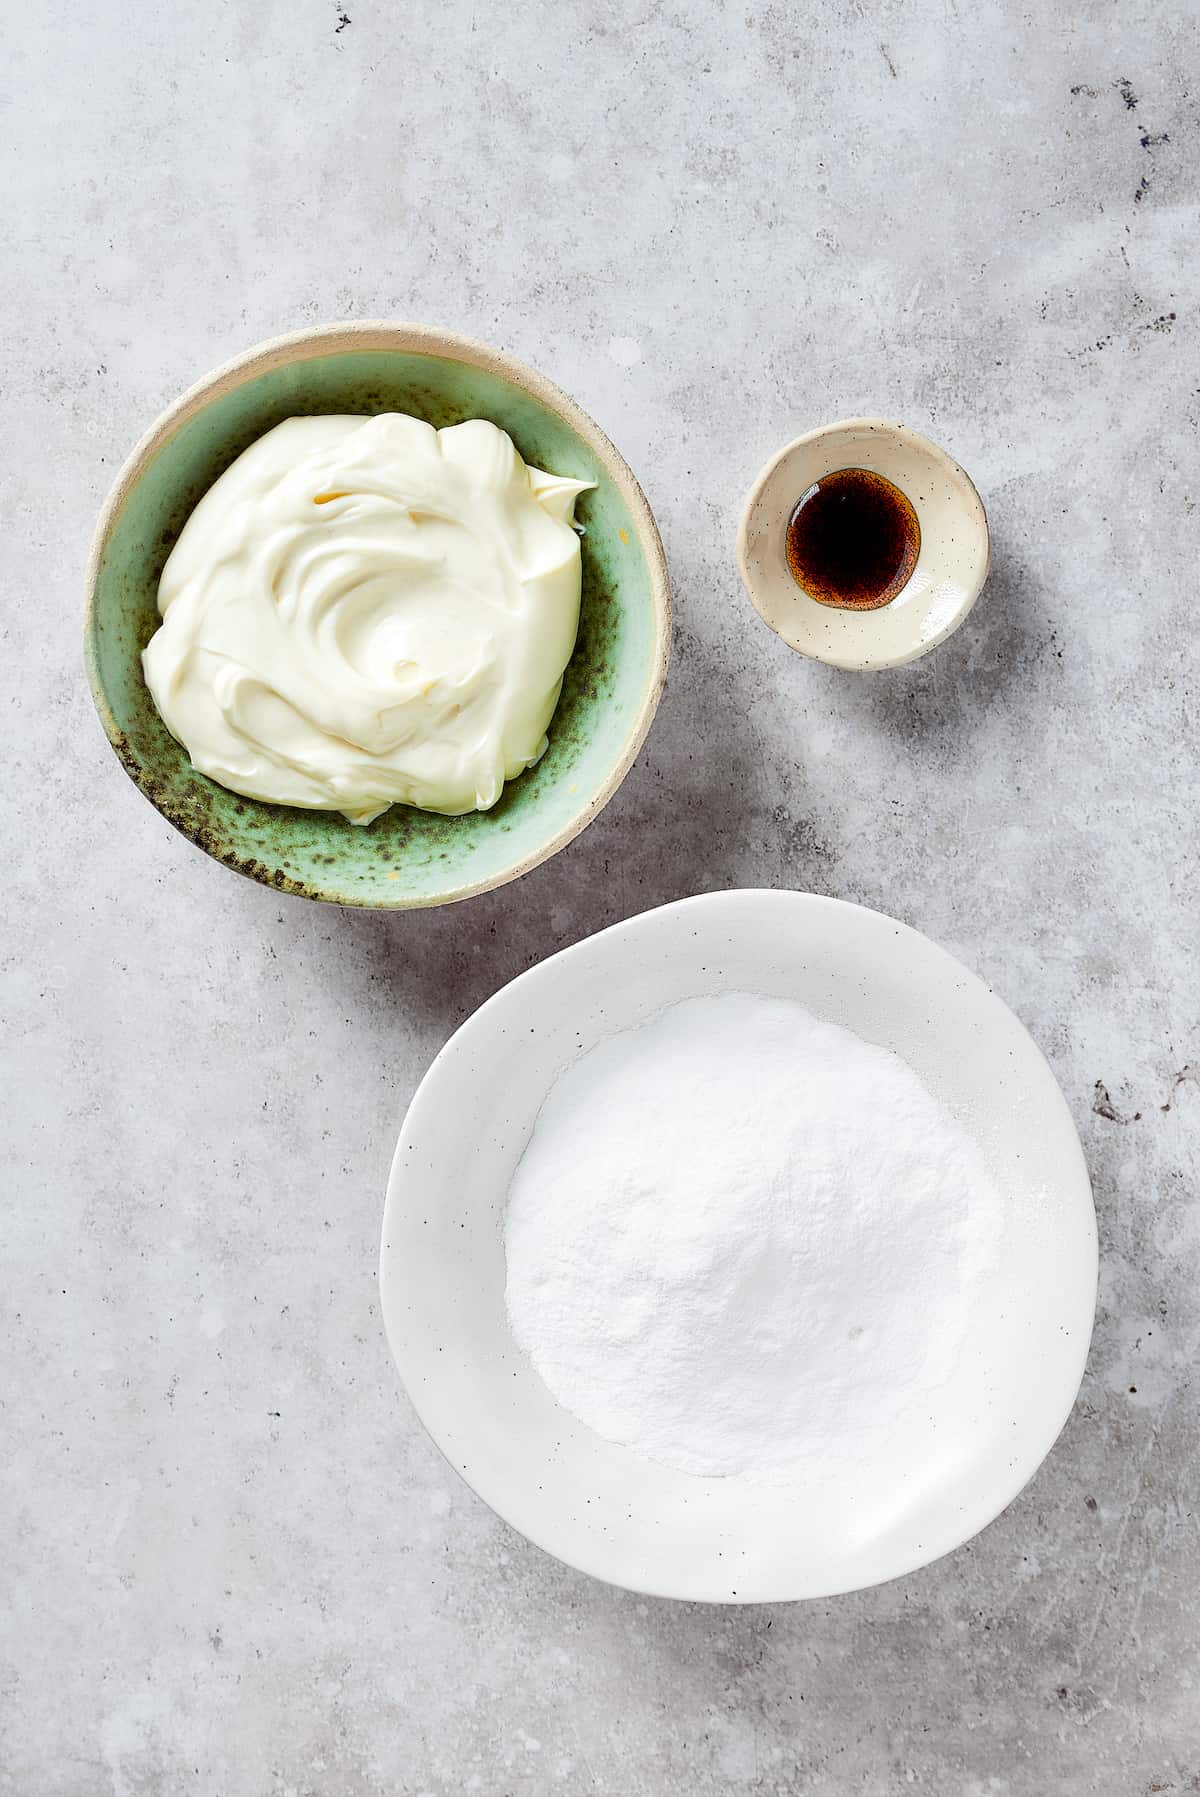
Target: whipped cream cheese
365	611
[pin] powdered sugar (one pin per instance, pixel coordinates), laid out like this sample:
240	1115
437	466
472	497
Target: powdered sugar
741	1239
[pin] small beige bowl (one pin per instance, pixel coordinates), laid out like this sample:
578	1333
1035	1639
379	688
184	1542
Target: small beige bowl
944	585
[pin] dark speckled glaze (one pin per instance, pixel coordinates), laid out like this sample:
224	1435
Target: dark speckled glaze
406	857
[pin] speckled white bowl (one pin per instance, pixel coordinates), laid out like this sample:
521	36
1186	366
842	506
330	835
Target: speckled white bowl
601	1507
951	567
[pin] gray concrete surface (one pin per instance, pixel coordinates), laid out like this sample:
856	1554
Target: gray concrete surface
232	1563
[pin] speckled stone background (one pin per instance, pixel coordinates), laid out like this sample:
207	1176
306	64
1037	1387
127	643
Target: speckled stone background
232	1563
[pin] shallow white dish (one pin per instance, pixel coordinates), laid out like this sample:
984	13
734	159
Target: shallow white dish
598	1506
951	567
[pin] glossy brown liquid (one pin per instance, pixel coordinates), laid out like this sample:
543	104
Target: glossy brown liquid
853	540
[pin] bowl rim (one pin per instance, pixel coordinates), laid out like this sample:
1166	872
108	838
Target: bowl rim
906	437
405	338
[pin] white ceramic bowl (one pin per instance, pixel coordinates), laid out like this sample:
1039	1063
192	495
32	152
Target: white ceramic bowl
951	567
599	1506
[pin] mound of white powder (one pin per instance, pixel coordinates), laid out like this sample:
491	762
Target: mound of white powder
741	1239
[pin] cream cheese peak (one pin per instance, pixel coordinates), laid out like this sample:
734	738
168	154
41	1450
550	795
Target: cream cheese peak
365	611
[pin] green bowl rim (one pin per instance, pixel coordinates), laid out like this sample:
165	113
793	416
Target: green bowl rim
405	339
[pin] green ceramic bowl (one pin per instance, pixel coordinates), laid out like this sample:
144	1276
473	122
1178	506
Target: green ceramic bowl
612	685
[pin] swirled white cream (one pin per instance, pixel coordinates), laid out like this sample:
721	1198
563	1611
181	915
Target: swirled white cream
364	611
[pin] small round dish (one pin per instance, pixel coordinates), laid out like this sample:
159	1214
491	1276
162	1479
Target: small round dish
950	569
405	858
599	1506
